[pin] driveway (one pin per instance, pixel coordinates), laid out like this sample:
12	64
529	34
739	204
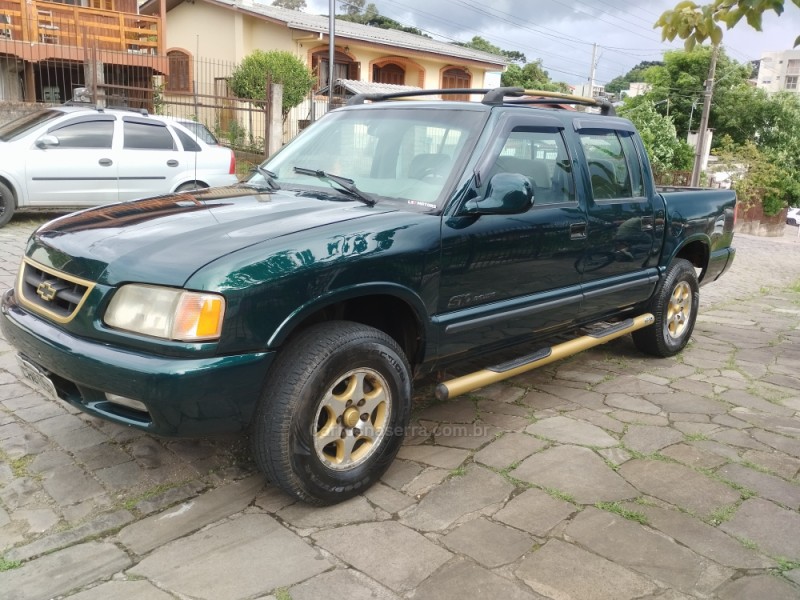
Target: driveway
606	476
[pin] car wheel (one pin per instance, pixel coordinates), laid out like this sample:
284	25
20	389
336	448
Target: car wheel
674	307
7	204
333	412
190	186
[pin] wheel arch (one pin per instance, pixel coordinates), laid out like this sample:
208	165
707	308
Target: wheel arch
9	183
696	250
390	308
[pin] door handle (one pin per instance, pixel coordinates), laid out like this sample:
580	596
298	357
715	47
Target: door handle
647	223
172	163
105	162
577	231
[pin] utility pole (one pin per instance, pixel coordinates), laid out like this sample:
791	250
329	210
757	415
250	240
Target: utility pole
592	71
331	49
702	134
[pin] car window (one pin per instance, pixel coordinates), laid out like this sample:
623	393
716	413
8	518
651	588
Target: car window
540	155
201	131
23	125
147	136
189	145
613	165
85	134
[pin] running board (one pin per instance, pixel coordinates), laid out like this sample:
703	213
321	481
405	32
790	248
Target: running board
478	379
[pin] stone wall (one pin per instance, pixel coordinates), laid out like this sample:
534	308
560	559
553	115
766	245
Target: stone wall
753	221
13	110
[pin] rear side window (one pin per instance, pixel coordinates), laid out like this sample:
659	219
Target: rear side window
613	164
189	145
86	134
146	136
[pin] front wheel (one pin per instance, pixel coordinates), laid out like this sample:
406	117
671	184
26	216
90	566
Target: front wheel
333	412
7	204
674	306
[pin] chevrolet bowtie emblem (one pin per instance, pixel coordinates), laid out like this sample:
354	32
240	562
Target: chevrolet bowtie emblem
46	291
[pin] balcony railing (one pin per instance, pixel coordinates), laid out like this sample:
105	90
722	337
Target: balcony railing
65	25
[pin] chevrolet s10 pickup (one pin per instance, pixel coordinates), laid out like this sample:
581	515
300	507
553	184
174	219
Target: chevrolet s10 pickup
386	241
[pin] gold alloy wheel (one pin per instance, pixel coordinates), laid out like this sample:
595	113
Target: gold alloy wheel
678	310
352	419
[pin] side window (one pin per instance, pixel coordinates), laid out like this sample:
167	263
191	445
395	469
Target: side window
613	165
142	136
88	134
189	145
540	155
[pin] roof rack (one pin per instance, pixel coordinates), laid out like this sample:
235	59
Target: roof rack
496	97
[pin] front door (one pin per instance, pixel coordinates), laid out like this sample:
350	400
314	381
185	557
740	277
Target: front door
506	277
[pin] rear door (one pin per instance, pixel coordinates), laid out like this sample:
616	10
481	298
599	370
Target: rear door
618	268
80	170
150	162
509	276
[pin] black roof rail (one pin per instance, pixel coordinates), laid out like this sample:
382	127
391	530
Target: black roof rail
495	97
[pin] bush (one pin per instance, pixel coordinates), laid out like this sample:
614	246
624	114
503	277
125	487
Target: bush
249	79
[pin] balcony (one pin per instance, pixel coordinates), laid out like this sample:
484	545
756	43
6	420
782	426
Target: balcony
37	30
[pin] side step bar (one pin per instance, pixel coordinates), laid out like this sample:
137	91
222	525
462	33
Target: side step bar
478	379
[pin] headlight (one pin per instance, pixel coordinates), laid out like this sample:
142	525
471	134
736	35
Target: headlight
166	312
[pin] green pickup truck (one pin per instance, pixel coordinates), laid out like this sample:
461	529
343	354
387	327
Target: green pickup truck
388	240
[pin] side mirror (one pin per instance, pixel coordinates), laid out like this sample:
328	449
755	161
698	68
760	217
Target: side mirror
506	194
47	141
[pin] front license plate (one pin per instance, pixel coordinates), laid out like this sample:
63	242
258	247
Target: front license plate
37	378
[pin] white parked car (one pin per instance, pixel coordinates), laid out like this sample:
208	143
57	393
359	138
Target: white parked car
71	157
793	216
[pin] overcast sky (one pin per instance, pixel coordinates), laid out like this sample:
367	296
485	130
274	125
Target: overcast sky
561	32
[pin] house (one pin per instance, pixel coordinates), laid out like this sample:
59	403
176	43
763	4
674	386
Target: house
49	48
779	71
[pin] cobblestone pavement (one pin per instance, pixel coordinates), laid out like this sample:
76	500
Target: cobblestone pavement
606	476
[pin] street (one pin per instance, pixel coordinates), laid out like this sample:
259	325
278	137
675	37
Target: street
609	475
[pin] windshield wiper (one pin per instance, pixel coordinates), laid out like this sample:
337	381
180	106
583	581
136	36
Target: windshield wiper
268	176
344	184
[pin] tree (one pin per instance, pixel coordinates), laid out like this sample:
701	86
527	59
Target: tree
479	43
666	151
616	85
290	4
353	7
249	79
695	24
369	15
531	77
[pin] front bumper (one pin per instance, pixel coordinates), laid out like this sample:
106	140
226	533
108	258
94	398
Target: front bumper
184	397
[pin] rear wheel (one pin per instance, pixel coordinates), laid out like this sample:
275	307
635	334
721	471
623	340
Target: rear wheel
674	307
7	204
333	412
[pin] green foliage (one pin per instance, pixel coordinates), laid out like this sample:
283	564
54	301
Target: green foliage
530	77
479	43
249	79
355	12
695	24
616	85
7	565
666	151
618	509
290	4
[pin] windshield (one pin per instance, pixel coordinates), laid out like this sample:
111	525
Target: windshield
19	127
401	154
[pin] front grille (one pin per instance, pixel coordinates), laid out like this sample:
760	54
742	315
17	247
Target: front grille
51	292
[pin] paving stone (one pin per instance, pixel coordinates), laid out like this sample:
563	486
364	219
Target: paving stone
615	456
640	418
505	422
425	481
271	499
778	442
400	473
576	471
766	486
457	497
100	525
758	586
29	443
461	410
468	437
488	543
739	438
374	548
775	423
45	410
252	545
503	408
71	484
343	583
729	421
687	403
60	424
629	384
631	403
102	456
500	392
702	538
570	431
700	388
551	571
597	418
678	485
436	456
679	417
122	590
388	499
39	520
49	461
19	493
721	450
156	530
775	530
777	462
535	511
630	544
305	516
62	571
693	428
747	400
581	373
647	439
694	457
509	449
558	397
465	579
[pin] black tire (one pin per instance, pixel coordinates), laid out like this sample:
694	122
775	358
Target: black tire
7	204
310	436
190	186
674	306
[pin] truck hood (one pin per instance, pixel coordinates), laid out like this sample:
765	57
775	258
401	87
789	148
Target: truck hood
164	240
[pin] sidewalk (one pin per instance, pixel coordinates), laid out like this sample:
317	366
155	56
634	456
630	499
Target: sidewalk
609	475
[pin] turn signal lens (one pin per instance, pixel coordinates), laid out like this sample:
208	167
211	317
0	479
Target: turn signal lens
198	317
